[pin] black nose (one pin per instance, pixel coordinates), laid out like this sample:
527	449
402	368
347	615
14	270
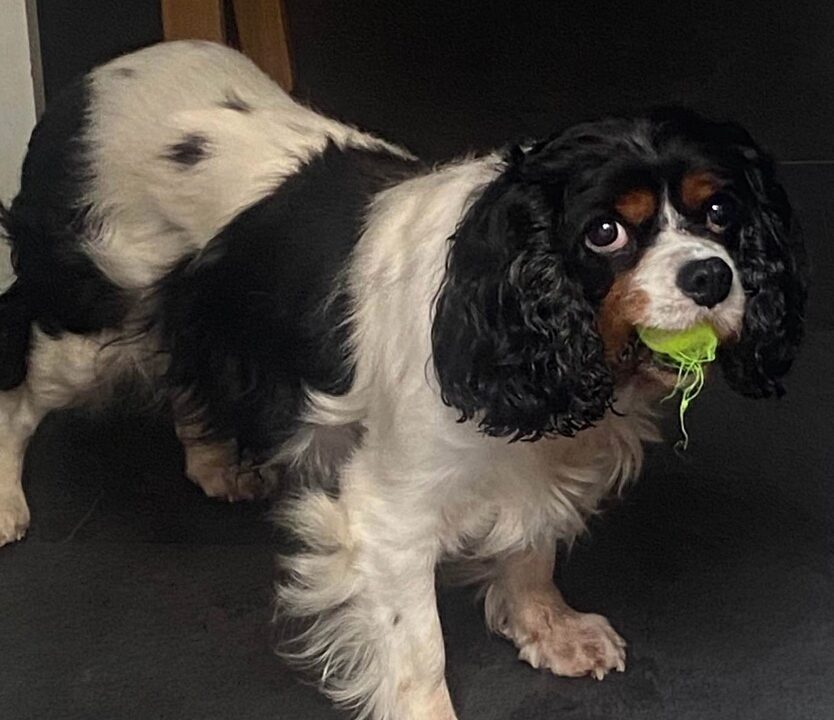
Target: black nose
707	282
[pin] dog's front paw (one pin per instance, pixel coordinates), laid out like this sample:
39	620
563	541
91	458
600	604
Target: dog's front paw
14	517
573	644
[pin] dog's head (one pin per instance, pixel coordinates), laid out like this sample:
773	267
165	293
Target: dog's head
664	221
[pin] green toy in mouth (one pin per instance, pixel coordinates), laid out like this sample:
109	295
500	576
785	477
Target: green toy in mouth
688	351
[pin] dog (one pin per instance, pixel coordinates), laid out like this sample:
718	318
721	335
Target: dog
442	360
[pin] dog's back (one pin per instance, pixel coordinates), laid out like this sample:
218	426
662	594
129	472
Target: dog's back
137	166
160	149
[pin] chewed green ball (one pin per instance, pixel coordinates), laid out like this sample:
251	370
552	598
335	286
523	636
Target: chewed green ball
688	350
696	344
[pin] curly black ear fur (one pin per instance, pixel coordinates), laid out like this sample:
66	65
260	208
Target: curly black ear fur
771	259
514	337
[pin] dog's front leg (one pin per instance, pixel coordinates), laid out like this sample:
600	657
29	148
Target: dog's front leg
365	582
524	605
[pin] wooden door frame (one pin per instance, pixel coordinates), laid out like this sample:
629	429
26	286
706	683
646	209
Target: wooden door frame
258	28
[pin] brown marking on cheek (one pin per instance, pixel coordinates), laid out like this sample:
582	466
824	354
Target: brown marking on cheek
697	186
637	206
622	308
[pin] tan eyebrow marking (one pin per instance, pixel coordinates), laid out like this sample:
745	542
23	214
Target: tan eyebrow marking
697	186
636	206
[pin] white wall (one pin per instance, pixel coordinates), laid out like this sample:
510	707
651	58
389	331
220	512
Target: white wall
17	103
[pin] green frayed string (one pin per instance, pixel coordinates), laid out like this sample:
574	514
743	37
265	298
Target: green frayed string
690	382
688	350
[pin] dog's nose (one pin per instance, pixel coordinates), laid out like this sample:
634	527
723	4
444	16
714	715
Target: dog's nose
707	282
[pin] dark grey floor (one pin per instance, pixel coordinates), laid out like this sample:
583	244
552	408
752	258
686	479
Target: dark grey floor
135	597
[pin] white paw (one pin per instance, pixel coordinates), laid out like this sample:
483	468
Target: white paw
573	645
14	517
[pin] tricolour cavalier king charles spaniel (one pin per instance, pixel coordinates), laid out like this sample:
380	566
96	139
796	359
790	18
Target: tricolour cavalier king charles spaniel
441	360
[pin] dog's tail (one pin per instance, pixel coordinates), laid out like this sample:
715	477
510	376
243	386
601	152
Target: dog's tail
16	318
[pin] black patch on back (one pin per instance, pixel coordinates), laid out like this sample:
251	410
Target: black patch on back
259	313
63	287
189	151
233	101
125	72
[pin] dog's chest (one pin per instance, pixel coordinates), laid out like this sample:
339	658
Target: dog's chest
544	488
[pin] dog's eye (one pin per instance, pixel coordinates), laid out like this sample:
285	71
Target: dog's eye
720	212
605	236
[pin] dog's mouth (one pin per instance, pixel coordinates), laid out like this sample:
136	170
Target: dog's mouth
637	359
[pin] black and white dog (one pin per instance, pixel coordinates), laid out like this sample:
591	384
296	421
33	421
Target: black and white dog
444	359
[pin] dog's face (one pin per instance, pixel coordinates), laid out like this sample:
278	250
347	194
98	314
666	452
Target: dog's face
665	221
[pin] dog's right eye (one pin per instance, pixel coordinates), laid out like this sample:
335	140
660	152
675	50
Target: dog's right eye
720	212
605	236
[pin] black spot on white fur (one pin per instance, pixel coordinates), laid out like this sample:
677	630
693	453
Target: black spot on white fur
260	313
233	101
189	151
125	72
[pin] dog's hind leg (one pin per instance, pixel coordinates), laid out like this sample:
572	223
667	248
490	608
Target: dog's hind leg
19	416
217	468
60	372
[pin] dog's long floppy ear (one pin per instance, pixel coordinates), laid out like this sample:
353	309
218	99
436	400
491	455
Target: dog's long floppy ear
772	263
514	337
